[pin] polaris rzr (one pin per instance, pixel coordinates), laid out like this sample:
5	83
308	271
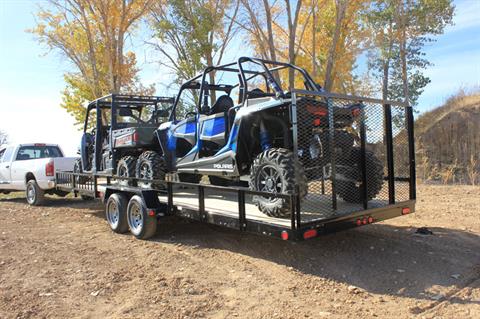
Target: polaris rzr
119	137
253	139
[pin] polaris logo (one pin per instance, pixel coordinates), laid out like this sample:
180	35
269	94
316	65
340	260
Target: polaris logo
223	166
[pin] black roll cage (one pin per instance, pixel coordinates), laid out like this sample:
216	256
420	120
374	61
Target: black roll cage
237	67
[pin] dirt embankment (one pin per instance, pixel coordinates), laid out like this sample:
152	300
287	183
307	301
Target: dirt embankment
62	261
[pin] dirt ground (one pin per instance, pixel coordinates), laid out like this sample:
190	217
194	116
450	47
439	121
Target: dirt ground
62	261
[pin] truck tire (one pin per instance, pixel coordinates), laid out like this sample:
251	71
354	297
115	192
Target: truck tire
142	225
150	165
126	168
116	213
351	191
273	171
34	194
189	178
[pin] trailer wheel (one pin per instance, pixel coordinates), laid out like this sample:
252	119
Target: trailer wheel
351	191
273	171
35	195
150	165
126	168
116	213
142	225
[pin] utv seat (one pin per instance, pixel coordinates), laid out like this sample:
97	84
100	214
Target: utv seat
223	104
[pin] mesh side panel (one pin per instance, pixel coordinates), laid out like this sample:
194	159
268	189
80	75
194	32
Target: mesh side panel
400	153
332	155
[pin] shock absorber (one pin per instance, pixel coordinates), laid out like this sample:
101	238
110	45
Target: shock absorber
264	137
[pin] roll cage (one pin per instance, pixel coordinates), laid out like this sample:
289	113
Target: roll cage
269	73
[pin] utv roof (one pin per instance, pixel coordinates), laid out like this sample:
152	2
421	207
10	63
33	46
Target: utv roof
123	100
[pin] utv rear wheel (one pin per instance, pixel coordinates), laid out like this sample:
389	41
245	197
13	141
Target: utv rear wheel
35	195
150	166
126	169
273	171
77	169
352	191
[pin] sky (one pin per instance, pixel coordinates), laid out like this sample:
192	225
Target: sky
31	80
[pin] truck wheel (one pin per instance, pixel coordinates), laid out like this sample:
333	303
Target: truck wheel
35	195
273	171
150	165
189	178
116	213
351	191
126	168
142	225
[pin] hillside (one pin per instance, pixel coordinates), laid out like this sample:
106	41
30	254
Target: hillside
448	141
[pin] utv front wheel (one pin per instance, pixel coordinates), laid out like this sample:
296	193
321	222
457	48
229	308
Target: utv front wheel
273	171
126	169
150	166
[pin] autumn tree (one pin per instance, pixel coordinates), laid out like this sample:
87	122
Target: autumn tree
190	35
91	35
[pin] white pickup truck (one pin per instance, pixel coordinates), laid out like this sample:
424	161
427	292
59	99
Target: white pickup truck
31	168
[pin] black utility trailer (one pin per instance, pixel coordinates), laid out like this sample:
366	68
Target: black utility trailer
384	129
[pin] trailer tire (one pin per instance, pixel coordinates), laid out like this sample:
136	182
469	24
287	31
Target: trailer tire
352	192
142	225
34	194
116	213
150	165
274	171
126	168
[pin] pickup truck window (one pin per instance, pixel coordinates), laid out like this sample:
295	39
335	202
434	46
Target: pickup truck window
35	152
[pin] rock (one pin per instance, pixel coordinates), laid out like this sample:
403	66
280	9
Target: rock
324	314
353	290
455	276
438	297
401	270
45	294
95	293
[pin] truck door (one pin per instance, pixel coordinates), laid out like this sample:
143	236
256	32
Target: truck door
5	162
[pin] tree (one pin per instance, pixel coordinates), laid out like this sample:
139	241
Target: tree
3	137
191	34
91	35
401	29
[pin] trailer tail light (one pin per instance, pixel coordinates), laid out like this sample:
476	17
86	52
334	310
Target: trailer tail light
50	168
135	137
310	234
364	220
284	235
406	210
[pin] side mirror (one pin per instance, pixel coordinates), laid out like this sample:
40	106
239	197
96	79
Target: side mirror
124	112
